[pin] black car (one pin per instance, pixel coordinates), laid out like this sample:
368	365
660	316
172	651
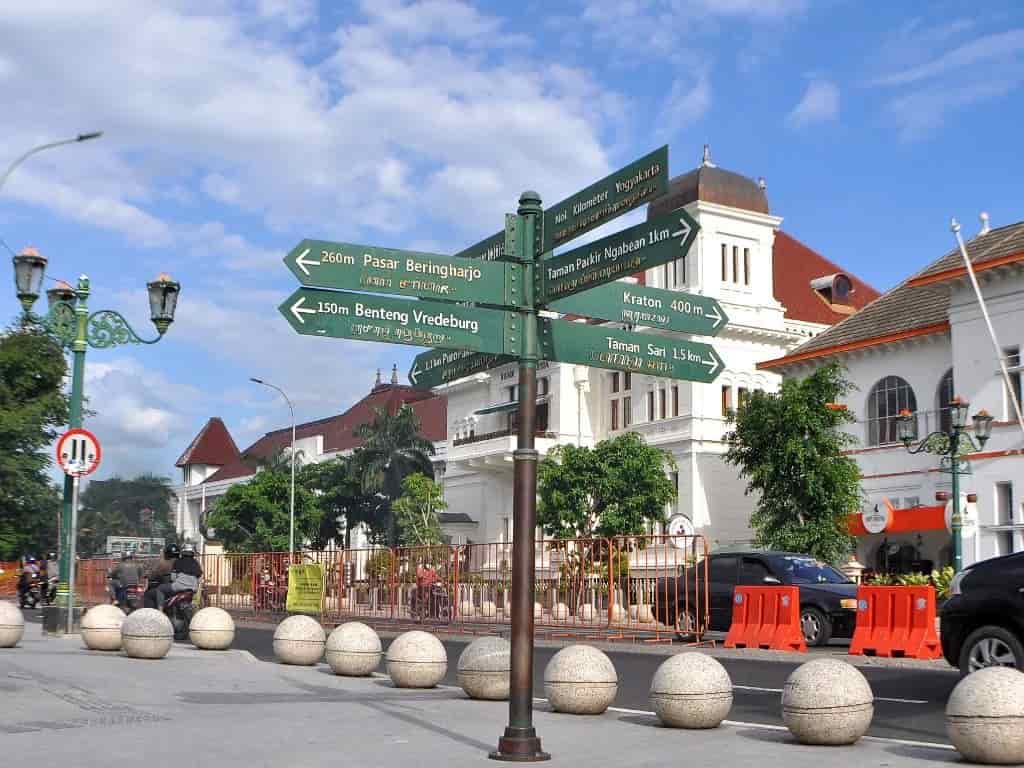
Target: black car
828	600
982	623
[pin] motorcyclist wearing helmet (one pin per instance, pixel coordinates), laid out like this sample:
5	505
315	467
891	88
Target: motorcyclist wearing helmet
185	575
159	575
29	571
128	573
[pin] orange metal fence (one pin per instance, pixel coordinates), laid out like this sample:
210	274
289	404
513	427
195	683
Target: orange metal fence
638	587
9	578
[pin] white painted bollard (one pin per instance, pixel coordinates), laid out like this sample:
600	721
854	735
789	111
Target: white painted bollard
147	634
586	613
354	650
299	640
488	609
212	629
12	625
484	668
827	702
466	608
985	716
580	680
101	628
538	611
560	612
618	614
691	690
416	659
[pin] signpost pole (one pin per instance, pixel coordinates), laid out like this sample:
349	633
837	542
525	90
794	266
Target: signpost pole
71	554
520	742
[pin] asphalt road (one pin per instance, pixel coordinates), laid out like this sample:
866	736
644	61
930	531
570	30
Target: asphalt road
909	701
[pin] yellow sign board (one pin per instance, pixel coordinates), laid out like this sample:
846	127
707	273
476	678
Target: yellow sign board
305	589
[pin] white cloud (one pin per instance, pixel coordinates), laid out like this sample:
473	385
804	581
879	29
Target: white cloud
930	73
222	189
687	102
819	104
295	14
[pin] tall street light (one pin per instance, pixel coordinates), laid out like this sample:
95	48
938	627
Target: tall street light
951	446
70	322
22	158
291	512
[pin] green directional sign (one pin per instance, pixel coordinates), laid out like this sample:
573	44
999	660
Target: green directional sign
342	315
432	369
638	183
346	266
647	353
652	307
625	253
491	249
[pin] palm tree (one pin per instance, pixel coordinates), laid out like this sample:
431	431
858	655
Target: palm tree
393	449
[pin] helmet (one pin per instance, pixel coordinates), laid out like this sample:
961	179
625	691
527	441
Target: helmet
30	559
128	555
171	551
188	551
52	556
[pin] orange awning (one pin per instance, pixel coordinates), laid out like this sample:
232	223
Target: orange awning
906	520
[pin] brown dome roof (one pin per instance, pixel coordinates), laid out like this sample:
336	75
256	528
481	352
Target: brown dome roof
712	185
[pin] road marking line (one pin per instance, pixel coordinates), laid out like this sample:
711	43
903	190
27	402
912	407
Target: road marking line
877	698
770	727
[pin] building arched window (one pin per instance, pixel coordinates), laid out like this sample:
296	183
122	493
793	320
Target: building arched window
943	397
888	397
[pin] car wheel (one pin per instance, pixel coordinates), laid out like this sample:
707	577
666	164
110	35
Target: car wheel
816	627
991	646
686	624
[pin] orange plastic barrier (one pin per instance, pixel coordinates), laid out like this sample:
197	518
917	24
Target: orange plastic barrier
896	621
766	617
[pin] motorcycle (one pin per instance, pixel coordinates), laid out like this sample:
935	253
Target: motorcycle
178	608
38	591
132	598
435	604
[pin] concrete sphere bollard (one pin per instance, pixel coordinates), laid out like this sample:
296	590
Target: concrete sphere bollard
827	702
580	680
691	690
466	608
299	640
416	660
560	612
644	614
488	609
618	614
354	650
212	629
147	634
484	668
538	611
101	628
586	613
985	716
12	625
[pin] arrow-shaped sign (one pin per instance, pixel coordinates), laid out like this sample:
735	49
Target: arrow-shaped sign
298	311
432	369
621	350
343	315
351	267
303	263
625	253
650	307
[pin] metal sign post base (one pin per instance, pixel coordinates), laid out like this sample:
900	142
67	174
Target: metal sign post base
519	745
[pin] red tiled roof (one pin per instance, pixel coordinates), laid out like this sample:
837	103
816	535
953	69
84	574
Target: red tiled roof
794	265
431	409
916	307
213	445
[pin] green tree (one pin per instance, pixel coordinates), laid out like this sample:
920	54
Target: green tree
140	506
393	449
33	406
416	510
254	516
790	449
342	499
612	489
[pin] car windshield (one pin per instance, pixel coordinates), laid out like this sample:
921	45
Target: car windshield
807	570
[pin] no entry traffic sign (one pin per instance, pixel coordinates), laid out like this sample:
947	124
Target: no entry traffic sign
78	452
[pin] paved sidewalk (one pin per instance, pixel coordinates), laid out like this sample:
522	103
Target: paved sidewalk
70	706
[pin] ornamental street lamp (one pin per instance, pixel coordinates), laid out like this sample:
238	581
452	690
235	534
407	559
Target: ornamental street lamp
70	322
291	507
951	446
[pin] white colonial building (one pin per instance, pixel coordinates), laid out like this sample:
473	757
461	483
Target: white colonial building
776	292
915	348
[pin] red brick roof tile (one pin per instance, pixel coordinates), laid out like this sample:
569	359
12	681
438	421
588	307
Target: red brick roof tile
213	445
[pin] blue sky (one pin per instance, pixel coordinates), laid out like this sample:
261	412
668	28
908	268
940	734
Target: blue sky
234	128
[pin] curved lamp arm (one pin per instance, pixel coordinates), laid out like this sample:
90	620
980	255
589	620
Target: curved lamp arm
107	328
